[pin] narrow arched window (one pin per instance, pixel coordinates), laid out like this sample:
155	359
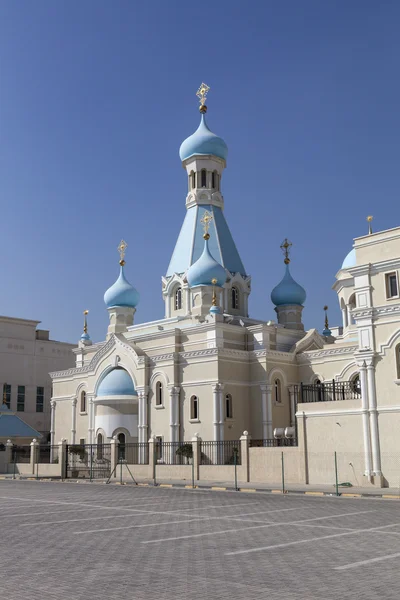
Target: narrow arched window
397	350
193	177
159	393
278	390
99	446
235	298
356	385
194	408
122	439
178	299
83	402
213	180
203	178
228	406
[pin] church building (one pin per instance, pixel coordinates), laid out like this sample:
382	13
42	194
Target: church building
208	369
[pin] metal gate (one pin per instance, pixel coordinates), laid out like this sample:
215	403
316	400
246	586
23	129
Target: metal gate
89	461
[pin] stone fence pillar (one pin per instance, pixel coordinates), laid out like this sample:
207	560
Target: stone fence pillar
114	454
152	458
8	451
244	447
62	457
196	453
34	454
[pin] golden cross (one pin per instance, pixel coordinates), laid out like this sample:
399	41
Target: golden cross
285	246
202	93
85	312
206	220
121	249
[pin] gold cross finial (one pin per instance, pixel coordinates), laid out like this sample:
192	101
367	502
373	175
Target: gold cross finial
206	220
326	317
202	96
85	312
285	247
121	249
369	219
214	296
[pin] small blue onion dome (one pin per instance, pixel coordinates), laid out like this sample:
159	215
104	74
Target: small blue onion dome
206	269
215	310
288	291
203	141
350	260
85	337
121	293
117	382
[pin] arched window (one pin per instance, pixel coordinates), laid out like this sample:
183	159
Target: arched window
203	178
235	298
194	408
356	385
83	402
159	393
99	446
193	180
213	178
122	439
178	299
278	390
397	350
228	406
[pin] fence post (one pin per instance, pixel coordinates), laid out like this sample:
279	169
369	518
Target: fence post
152	459
34	453
8	455
114	454
196	456
336	477
244	447
62	457
283	474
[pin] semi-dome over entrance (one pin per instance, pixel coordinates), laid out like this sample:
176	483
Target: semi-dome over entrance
117	382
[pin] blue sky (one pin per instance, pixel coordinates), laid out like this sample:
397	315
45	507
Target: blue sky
97	96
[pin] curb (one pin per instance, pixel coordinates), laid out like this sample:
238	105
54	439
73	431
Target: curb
216	488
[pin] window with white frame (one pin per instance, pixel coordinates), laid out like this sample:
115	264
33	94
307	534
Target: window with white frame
159	393
83	402
392	285
277	391
194	408
228	406
178	299
235	297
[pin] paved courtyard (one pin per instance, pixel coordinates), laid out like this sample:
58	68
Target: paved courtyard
92	541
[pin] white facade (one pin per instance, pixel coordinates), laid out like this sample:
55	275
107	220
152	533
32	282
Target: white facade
27	356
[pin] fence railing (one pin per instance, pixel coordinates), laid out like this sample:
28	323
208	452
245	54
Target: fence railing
134	453
47	454
21	454
220	453
273	443
173	453
330	391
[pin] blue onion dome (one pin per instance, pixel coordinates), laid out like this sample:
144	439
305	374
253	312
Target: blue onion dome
203	141
85	337
350	260
288	291
206	270
117	382
121	293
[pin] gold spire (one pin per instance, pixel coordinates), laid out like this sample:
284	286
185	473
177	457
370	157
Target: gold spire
326	317
202	96
285	246
121	249
85	312
206	220
214	296
369	219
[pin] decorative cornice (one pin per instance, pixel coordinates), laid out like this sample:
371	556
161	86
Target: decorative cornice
306	356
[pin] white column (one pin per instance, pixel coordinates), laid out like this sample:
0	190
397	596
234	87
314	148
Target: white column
167	306
365	419
216	412
91	420
344	317
264	411
188	308
174	413
221	412
292	405
373	415
269	412
52	421
73	421
348	308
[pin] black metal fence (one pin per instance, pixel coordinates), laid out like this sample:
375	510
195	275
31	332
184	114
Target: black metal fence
21	454
330	391
47	454
273	443
173	453
135	453
220	453
89	461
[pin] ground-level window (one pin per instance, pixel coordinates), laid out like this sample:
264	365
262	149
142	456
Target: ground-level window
277	390
21	398
39	399
194	408
228	406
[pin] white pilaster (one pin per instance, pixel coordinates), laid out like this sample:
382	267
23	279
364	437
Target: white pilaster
73	421
269	412
373	416
216	412
221	411
264	411
348	308
53	404
292	394
174	413
344	318
365	419
91	420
